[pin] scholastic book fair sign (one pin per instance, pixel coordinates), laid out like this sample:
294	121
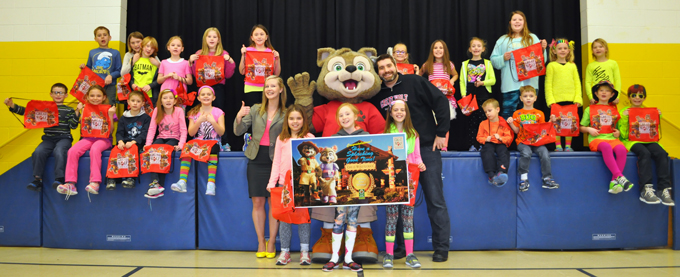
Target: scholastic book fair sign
350	170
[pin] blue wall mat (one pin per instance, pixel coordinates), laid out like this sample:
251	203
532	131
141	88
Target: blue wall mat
675	174
122	218
581	214
21	208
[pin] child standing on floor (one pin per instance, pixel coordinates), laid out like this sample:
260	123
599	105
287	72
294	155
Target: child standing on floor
400	54
600	123
259	42
168	118
174	70
495	136
529	115
94	96
205	123
105	62
145	69
562	82
134	46
399	121
602	69
57	139
477	78
346	117
646	151
212	46
294	126
132	128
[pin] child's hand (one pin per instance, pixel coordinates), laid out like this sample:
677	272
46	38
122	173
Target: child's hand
626	112
479	83
553	118
226	57
243	49
108	79
616	101
146	88
130	144
202	118
177	148
174	76
270	187
121	144
507	56
82	65
276	54
80	106
155	62
488	139
416	69
146	147
616	133
592	101
659	111
245	110
579	104
544	43
497	137
593	132
9	102
193	58
422	167
112	110
210	118
510	120
136	57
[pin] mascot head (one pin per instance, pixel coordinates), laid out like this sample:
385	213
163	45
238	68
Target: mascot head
308	149
328	155
347	76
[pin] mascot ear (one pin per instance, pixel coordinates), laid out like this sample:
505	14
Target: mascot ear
369	51
335	148
322	54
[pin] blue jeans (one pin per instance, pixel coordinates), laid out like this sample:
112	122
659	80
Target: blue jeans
510	103
525	159
59	148
433	189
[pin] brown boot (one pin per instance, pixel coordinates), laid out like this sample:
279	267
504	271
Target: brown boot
323	248
365	248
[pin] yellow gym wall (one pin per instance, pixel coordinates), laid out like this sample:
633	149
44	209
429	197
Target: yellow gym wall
655	67
28	70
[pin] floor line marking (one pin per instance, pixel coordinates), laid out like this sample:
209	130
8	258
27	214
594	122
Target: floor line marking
133	271
586	273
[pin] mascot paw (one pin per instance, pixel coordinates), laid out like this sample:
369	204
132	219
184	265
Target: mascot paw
301	88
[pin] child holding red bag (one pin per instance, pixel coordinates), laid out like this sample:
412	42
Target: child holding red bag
145	69
399	121
562	82
105	62
477	78
294	126
94	96
646	152
259	41
174	70
400	54
132	128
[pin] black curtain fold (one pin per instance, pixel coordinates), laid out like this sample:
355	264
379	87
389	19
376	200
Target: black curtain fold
298	27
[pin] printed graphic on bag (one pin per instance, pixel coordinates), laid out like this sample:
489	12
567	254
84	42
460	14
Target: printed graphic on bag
566	122
198	149
157	158
259	65
603	118
123	87
41	114
443	85
209	70
468	104
95	122
128	162
84	81
537	134
405	68
643	124
529	62
123	163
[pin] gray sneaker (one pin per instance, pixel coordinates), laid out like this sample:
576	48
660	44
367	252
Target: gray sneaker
412	261
665	197
627	185
648	196
388	261
549	183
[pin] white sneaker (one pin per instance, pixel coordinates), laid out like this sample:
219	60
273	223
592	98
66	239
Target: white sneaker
180	186
210	189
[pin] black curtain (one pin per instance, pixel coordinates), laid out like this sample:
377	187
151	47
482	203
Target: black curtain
298	27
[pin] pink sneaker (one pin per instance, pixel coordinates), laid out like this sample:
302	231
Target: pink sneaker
93	188
67	188
304	258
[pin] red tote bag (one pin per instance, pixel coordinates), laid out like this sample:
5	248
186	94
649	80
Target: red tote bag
444	86
41	114
406	68
414	176
123	163
157	158
603	118
95	122
258	65
468	104
537	134
567	121
643	124
187	99
123	87
198	149
283	206
148	105
529	62
85	80
209	70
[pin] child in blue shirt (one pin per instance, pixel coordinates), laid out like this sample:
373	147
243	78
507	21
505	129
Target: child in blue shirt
105	62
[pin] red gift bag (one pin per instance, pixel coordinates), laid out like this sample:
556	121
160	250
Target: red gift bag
604	118
123	163
95	122
643	124
406	68
567	121
444	86
123	87
41	114
414	176
537	134
529	62
148	105
198	149
258	65
157	158
468	104
283	206
85	80
209	70
185	98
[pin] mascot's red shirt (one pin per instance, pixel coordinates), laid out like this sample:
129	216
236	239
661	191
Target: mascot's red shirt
324	118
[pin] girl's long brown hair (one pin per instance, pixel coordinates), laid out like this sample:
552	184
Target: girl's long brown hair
205	50
282	96
285	131
267	43
137	35
160	110
408	125
526	35
446	62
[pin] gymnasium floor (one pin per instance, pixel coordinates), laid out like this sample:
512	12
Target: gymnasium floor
29	261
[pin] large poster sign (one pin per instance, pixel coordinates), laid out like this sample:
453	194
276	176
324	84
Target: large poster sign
350	170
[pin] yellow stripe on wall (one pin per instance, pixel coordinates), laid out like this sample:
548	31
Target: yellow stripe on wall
654	66
28	70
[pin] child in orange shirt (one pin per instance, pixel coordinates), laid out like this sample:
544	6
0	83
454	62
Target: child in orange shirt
495	136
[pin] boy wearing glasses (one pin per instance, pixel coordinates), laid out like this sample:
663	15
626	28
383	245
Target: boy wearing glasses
646	152
57	139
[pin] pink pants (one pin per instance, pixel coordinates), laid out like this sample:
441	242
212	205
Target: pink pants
96	147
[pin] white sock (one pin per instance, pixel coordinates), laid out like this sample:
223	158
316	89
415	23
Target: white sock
524	176
283	250
365	225
337	240
328	225
304	247
349	245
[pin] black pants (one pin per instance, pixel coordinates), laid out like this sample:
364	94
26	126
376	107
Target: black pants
645	153
474	120
492	165
58	146
433	190
158	176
